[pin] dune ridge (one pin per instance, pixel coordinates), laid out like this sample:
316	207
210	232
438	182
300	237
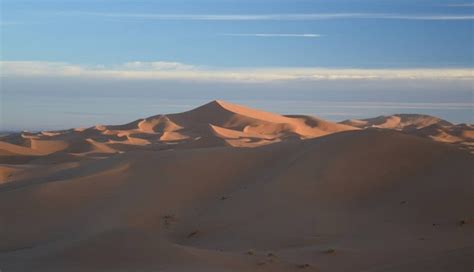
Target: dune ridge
216	123
220	123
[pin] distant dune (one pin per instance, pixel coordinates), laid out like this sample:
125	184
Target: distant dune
227	188
421	125
398	121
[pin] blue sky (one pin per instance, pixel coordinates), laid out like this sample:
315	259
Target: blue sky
340	51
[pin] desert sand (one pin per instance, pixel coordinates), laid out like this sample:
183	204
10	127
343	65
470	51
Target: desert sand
227	188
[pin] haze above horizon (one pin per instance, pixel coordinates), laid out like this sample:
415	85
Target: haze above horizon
77	63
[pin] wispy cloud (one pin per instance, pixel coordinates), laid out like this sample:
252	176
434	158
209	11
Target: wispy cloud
396	105
277	17
180	71
9	23
460	5
275	35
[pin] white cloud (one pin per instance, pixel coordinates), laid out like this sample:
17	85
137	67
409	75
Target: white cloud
278	35
39	68
180	71
278	17
156	66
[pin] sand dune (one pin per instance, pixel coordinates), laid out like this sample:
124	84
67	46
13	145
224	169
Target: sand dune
185	192
216	123
398	121
421	125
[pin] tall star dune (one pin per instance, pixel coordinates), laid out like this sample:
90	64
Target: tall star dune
217	123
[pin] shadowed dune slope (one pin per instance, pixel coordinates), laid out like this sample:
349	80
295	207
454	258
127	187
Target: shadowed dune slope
369	200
